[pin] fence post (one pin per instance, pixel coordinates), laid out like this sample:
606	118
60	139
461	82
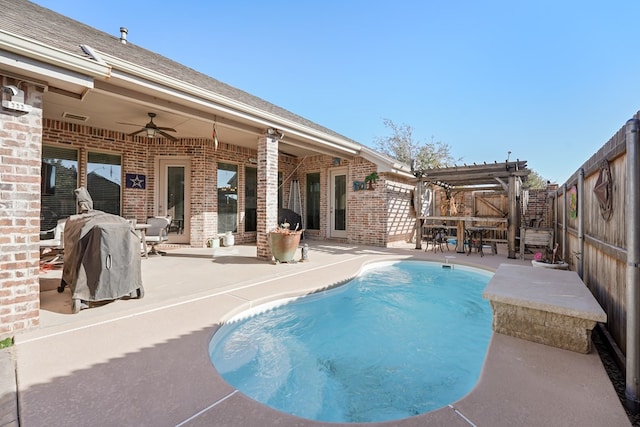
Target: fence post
632	211
580	266
564	223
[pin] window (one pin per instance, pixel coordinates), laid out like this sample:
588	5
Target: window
227	198
250	199
104	181
313	201
60	178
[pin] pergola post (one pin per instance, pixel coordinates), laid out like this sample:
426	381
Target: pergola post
514	217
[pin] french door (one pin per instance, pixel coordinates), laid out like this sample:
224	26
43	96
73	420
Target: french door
174	194
338	203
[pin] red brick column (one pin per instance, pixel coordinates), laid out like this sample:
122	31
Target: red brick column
267	193
21	150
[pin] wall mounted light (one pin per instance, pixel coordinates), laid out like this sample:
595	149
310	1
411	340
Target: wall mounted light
16	103
275	132
11	89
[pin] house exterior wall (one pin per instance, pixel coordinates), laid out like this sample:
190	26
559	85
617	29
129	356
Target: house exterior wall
366	209
377	216
20	151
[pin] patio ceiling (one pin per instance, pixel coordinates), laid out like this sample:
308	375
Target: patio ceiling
488	176
126	110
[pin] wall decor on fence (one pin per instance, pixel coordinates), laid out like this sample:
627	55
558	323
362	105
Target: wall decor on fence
135	180
604	189
573	202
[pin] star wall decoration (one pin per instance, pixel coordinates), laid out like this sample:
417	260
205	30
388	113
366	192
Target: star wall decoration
135	180
604	190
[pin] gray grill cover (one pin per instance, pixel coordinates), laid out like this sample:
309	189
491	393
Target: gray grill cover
101	257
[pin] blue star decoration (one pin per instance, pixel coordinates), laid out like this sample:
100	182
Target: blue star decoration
135	180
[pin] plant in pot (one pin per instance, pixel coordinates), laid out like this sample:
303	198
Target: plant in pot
284	242
549	260
371	179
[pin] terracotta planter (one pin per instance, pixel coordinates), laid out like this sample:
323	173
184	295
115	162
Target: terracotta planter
557	266
284	245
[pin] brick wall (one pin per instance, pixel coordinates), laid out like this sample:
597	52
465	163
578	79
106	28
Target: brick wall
539	210
267	193
20	152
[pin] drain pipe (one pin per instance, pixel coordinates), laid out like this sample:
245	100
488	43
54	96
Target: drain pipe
632	211
581	223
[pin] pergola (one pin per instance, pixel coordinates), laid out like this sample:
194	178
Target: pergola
504	176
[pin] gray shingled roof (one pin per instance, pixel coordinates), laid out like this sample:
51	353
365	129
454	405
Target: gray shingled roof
46	26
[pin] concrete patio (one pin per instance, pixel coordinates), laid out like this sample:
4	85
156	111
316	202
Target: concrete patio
145	362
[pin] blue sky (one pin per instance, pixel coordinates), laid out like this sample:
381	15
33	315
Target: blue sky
551	81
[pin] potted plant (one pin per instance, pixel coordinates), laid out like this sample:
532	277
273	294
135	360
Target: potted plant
371	179
543	260
284	242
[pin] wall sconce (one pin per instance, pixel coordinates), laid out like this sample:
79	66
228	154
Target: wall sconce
336	161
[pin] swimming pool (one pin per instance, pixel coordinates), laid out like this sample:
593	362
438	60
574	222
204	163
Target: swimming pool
401	339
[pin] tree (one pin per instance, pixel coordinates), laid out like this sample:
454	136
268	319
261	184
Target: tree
401	146
535	181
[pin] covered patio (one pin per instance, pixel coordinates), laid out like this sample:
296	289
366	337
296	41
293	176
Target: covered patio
146	362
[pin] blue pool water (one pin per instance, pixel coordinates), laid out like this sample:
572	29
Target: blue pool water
399	340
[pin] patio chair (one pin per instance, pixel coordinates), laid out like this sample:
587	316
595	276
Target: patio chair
55	245
438	238
157	233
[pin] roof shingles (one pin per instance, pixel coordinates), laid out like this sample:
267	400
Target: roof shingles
30	20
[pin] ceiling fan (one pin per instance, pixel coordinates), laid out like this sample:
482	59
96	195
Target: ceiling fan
151	129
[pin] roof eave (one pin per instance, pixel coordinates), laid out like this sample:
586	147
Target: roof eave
192	93
45	54
386	164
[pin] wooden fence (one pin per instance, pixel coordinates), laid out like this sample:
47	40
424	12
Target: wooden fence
593	240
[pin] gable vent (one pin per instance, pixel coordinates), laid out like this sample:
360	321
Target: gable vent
77	117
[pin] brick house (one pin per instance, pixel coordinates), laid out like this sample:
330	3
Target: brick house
148	136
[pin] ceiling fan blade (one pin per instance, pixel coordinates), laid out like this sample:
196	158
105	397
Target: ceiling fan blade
137	132
166	135
166	129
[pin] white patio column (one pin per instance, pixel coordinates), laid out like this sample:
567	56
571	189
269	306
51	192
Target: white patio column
267	192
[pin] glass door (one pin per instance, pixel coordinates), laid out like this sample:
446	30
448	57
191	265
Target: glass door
338	203
173	197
